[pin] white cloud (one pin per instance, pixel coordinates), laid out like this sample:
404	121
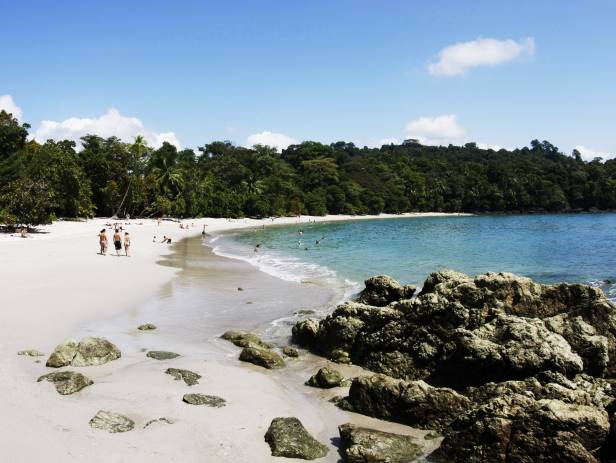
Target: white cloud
277	140
456	59
439	130
589	154
7	103
112	123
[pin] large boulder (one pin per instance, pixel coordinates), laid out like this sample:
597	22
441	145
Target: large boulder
288	438
262	357
414	403
382	290
326	378
111	422
363	445
67	382
87	352
304	332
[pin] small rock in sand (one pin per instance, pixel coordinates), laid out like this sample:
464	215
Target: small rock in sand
147	327
288	438
67	382
244	339
158	420
30	353
161	355
202	399
290	351
363	445
240	289
189	377
111	422
87	352
327	378
262	357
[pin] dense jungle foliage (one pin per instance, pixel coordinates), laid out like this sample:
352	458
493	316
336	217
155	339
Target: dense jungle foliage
105	177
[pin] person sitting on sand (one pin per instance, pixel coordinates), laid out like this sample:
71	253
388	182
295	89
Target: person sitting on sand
102	240
117	242
126	243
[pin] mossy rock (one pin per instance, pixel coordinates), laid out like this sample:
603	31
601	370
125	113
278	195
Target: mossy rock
290	351
245	339
67	382
161	355
288	438
262	357
363	445
31	353
327	378
111	422
189	377
203	399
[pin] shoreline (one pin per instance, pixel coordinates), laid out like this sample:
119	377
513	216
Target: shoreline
56	285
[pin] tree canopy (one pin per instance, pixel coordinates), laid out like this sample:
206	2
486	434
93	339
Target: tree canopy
40	181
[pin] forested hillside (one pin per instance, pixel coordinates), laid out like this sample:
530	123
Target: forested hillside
107	176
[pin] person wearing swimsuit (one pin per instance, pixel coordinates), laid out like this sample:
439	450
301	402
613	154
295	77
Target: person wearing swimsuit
126	243
117	241
102	240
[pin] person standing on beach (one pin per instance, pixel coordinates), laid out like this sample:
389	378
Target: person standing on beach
102	240
117	241
126	243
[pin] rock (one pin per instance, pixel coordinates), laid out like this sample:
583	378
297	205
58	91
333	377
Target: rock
63	354
87	352
413	403
158	420
67	382
189	377
244	339
326	378
31	353
202	399
382	290
288	438
431	435
94	351
363	445
111	422
304	332
147	327
161	355
262	357
340	356
304	312
290	351
240	289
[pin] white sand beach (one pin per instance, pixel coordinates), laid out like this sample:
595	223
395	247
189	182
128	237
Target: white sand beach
55	287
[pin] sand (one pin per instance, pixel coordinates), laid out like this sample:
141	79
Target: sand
55	286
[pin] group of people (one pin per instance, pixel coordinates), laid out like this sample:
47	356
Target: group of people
118	242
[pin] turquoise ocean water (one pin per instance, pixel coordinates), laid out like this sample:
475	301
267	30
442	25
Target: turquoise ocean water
547	248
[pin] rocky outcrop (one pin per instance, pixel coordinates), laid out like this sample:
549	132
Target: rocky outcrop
414	403
161	355
262	357
203	399
244	339
504	368
326	378
363	445
87	352
189	377
67	382
111	422
288	438
382	290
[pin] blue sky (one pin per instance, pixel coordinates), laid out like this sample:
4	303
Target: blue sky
193	72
